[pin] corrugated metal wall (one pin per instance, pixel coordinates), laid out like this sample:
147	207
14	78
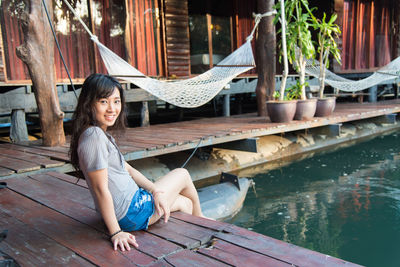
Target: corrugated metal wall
177	38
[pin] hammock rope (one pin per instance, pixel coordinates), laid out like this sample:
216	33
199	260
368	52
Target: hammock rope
388	72
187	93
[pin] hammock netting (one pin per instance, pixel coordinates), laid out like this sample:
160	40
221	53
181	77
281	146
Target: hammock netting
188	93
389	72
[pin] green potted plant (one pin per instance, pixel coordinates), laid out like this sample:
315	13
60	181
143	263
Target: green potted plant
281	109
327	32
299	48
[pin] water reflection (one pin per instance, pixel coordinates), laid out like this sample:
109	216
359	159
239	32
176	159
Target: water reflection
345	204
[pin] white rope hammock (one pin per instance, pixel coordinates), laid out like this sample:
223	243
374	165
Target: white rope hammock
188	93
389	72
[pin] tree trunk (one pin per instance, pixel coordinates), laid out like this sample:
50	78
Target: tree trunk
265	57
37	52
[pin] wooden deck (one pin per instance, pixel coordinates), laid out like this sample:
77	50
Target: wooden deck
51	221
142	142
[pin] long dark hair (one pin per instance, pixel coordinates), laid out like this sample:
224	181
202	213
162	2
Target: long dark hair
95	87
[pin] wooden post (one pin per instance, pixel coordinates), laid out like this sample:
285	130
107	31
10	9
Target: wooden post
265	57
37	52
144	114
18	130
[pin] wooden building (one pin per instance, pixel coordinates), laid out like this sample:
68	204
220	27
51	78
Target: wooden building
161	38
181	38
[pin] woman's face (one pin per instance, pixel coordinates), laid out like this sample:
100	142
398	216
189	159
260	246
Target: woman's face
108	109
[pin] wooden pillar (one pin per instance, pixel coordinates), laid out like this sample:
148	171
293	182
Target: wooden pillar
144	114
18	130
338	9
265	57
37	52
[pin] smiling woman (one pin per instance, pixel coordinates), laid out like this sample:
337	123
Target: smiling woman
125	198
108	109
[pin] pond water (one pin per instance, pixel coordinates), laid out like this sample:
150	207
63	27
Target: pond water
344	203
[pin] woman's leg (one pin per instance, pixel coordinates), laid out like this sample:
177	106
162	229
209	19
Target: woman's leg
179	192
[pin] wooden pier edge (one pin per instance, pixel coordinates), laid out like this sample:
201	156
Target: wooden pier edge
51	219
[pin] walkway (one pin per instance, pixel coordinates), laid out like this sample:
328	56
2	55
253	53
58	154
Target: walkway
142	142
51	221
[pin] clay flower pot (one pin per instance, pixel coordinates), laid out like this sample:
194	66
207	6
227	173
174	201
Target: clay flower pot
325	106
305	109
281	111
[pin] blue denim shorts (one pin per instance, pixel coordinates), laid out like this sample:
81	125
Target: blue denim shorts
139	212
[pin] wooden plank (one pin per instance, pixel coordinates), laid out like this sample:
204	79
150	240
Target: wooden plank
37	151
18	165
238	256
278	249
29	247
5	171
43	161
201	234
189	258
70	200
69	178
77	203
80	238
155	246
167	231
210	224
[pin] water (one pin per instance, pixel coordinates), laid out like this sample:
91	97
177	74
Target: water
344	203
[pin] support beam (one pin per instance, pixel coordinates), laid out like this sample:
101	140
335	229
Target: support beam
144	114
247	145
331	130
373	93
227	107
386	119
18	130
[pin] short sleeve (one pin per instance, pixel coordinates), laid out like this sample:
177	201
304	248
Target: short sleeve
92	150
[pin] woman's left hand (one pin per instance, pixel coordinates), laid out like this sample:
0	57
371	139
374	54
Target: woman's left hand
161	204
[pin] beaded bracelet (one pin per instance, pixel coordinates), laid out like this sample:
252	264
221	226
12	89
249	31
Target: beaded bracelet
117	232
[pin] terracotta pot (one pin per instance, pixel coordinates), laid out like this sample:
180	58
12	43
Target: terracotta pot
305	109
281	111
325	106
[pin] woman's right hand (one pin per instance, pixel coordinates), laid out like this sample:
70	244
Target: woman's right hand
161	204
123	239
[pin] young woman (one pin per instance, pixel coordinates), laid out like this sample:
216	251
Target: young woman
124	197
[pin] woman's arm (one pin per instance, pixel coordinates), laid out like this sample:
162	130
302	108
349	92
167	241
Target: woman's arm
99	182
140	179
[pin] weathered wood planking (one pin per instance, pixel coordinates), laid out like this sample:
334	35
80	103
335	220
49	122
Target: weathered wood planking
56	210
33	248
36	150
141	142
5	171
44	162
80	238
237	256
18	165
268	246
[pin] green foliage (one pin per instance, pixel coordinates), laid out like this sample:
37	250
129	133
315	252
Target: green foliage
300	46
328	31
276	95
291	93
294	91
298	34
